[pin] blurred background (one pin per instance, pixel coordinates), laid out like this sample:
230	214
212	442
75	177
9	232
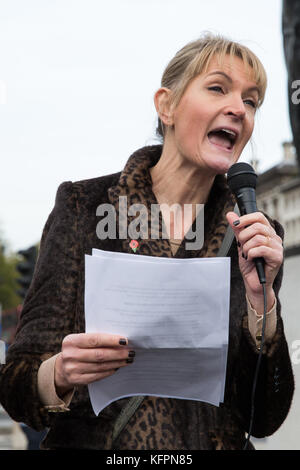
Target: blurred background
77	80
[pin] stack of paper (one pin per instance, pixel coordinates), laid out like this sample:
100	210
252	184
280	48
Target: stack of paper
175	313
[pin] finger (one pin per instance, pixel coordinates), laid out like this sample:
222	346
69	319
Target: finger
232	219
97	355
244	230
90	378
257	228
261	234
82	368
245	220
261	240
271	256
94	340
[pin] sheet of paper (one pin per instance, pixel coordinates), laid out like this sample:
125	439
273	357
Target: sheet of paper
175	313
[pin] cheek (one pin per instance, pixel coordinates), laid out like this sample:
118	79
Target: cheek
189	135
189	123
247	135
251	127
191	111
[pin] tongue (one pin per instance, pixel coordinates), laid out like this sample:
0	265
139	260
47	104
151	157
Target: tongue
219	139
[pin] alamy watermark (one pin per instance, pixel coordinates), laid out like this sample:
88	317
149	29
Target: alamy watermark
136	222
2	352
295	97
295	355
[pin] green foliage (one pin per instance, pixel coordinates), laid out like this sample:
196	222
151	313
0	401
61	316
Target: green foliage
8	280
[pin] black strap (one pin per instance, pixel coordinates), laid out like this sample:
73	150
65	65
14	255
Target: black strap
129	409
228	238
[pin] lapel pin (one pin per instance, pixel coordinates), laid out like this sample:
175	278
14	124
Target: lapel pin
134	245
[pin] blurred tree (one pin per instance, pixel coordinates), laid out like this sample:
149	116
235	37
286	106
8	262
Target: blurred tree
8	279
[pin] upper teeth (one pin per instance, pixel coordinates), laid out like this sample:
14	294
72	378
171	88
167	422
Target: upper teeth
229	132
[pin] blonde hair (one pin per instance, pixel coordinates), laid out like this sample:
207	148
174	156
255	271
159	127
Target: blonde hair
194	58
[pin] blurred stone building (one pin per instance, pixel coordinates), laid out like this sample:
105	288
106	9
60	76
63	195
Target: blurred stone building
278	194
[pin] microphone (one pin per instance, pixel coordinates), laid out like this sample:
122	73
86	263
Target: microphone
241	179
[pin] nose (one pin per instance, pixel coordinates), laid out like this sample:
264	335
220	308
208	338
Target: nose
236	108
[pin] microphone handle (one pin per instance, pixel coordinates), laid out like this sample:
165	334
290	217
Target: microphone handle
246	201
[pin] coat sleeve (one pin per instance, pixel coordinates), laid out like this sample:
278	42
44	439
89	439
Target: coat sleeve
275	382
47	315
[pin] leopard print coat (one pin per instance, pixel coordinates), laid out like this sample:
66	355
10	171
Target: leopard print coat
54	307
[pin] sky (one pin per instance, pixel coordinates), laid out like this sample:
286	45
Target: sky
77	80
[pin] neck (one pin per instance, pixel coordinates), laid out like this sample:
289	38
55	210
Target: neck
177	180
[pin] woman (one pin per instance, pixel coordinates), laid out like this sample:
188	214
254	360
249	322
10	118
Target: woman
206	107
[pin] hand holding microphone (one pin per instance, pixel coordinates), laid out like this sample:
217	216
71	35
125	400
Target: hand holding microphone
260	253
260	248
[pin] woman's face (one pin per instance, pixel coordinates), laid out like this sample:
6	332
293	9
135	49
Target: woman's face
221	98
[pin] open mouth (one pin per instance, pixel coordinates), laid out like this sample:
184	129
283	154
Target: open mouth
223	137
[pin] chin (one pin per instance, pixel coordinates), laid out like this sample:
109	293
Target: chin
222	165
221	168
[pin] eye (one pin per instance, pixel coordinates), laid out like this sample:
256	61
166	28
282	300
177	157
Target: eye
219	89
216	88
252	103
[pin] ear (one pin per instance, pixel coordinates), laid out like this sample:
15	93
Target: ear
162	105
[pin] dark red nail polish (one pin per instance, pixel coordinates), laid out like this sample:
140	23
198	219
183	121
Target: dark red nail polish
123	342
236	222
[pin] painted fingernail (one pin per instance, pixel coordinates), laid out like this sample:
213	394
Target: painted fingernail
123	342
243	255
236	222
238	244
131	354
129	361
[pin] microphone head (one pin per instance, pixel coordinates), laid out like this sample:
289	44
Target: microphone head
241	175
